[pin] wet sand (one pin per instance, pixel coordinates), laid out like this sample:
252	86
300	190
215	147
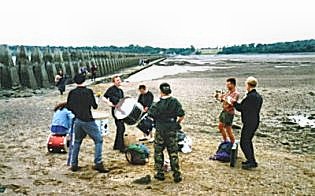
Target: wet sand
285	152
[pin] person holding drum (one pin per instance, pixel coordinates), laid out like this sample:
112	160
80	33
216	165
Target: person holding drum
80	100
146	99
112	96
168	114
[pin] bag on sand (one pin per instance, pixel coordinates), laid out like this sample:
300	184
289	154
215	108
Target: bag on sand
224	152
184	142
137	154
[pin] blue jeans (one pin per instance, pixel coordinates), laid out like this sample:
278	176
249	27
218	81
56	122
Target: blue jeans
59	130
81	129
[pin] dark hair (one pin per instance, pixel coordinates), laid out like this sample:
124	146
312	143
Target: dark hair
60	106
79	78
165	88
232	81
142	87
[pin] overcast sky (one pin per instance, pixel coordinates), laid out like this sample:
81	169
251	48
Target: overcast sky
158	23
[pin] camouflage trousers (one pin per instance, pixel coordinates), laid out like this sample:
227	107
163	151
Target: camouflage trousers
164	139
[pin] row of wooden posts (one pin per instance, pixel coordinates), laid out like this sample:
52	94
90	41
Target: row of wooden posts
36	70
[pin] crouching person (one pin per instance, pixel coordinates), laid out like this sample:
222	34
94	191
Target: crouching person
80	100
62	120
168	114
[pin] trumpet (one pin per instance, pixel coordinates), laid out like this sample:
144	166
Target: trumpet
218	94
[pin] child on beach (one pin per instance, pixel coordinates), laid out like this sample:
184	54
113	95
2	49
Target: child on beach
62	119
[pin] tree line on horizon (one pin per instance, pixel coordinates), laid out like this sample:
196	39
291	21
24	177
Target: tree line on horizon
280	47
136	49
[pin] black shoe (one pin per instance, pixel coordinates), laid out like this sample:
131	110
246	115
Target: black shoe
75	168
177	177
159	176
143	180
245	162
100	168
249	165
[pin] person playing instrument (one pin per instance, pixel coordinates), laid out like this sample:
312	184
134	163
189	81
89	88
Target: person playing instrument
62	119
80	100
250	108
146	100
112	96
168	114
227	114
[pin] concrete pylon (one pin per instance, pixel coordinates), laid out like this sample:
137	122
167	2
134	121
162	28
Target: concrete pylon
51	72
47	56
69	69
1	75
5	56
104	72
26	72
108	66
39	68
8	73
66	56
100	67
58	56
76	67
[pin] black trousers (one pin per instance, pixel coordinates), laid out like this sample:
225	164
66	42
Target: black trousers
120	130
247	134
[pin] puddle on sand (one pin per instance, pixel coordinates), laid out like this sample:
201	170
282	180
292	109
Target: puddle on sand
303	120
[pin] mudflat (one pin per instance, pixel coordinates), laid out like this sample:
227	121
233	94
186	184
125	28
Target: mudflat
284	150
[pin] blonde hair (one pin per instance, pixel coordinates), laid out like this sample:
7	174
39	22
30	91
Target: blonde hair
251	81
114	77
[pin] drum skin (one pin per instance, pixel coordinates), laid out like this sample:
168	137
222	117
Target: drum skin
57	143
129	110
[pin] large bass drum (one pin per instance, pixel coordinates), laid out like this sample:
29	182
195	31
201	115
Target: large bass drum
146	124
129	110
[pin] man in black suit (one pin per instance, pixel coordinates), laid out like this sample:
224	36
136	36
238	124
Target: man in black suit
250	108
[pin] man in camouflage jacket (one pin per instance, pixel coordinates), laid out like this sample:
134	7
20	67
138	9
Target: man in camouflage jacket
168	114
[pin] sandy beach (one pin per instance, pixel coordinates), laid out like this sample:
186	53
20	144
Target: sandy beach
284	150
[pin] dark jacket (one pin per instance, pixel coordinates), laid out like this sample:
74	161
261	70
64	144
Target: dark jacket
165	113
146	99
80	100
114	94
250	108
